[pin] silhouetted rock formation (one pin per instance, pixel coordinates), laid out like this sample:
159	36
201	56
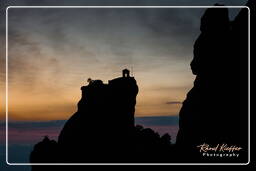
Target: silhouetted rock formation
103	130
44	148
216	108
214	112
104	119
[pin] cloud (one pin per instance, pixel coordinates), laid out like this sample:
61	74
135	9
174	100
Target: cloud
173	102
161	124
29	132
53	50
157	120
34	125
123	2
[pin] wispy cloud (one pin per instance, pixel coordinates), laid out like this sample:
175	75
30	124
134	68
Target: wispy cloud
173	102
157	120
161	124
32	132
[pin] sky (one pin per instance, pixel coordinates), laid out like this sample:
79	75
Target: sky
52	52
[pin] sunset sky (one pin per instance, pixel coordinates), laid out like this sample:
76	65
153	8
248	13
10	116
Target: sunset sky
52	52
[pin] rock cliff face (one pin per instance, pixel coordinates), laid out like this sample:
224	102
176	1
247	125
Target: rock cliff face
105	117
216	108
102	130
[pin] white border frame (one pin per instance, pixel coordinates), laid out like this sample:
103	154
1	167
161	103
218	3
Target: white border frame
98	7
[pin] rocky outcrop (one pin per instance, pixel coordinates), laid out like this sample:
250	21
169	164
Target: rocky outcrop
104	119
102	130
215	110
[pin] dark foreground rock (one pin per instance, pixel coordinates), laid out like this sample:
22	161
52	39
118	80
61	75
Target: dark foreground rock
214	112
216	108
